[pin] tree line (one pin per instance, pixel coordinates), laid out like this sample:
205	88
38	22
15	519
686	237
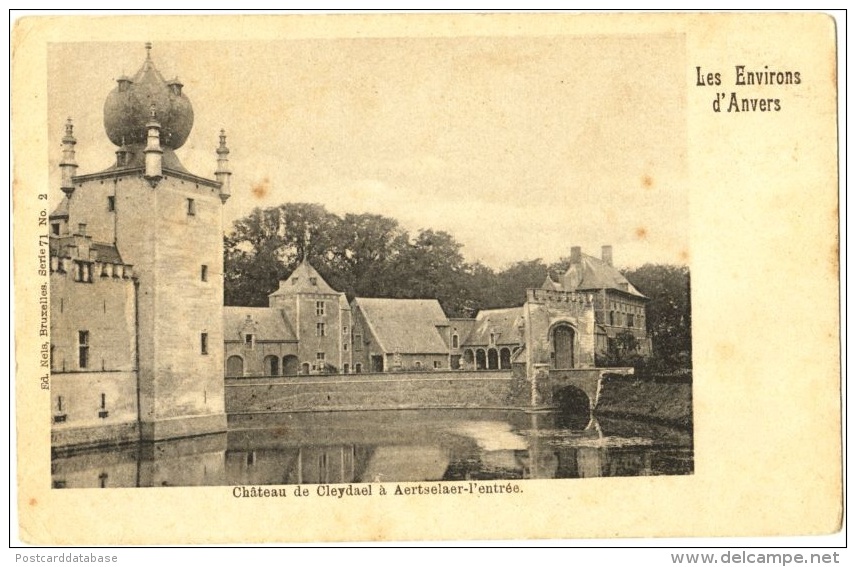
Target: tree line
368	255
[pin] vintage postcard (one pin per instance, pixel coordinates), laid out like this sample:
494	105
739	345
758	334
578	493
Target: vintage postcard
304	278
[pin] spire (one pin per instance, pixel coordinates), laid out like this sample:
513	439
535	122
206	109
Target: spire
148	51
223	175
68	165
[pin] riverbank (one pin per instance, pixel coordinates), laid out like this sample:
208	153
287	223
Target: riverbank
665	400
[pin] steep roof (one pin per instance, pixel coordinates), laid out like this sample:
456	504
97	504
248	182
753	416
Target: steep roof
593	273
406	326
61	210
304	279
550	284
503	323
265	323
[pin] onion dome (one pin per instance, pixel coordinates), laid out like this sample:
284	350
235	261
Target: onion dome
128	108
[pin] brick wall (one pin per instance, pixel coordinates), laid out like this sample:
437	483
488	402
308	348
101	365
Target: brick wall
370	391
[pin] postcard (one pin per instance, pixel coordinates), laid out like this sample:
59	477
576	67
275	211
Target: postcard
310	278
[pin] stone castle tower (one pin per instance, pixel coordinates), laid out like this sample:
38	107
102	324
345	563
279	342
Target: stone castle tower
166	223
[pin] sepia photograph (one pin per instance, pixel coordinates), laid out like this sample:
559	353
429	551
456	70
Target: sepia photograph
390	269
368	261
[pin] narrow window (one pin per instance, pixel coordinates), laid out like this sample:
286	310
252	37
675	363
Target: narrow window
103	401
59	404
294	281
83	349
319	308
345	347
418	365
203	344
345	330
492	338
358	342
320	330
455	341
437	364
249	340
191	207
204	273
55	228
111	203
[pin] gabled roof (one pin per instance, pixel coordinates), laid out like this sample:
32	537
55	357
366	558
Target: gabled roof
503	323
593	274
265	323
550	284
107	253
405	326
304	279
61	211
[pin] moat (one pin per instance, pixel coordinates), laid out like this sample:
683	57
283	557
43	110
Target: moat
386	446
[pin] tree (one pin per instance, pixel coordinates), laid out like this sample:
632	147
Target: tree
668	312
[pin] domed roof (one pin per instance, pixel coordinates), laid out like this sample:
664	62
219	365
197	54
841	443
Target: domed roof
129	106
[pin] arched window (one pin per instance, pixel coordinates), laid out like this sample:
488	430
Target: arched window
290	365
305	368
234	366
504	358
455	341
492	359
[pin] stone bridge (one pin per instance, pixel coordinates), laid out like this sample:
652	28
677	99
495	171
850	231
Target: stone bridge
571	389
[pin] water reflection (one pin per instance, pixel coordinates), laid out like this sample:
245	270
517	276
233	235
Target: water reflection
356	447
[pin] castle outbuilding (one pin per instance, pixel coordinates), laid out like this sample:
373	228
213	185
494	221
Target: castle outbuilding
137	277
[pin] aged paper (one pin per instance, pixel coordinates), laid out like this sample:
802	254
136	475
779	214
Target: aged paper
735	177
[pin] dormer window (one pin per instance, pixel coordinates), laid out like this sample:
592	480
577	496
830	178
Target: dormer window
249	341
313	281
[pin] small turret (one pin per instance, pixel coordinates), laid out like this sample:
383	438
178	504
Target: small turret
68	165
223	175
153	151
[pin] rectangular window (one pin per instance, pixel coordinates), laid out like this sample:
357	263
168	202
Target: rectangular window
249	340
55	228
203	343
319	307
191	207
59	404
455	340
345	330
630	320
83	349
111	203
320	330
204	273
320	360
437	364
345	347
358	342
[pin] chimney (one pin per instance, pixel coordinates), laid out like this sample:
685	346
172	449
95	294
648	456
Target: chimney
606	254
576	255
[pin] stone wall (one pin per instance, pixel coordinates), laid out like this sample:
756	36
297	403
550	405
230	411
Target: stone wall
77	415
370	392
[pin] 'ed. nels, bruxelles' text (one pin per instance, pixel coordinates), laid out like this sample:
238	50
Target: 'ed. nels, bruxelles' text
743	76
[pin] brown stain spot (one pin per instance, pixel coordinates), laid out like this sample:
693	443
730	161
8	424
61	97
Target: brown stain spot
261	189
641	233
725	351
33	502
684	256
647	181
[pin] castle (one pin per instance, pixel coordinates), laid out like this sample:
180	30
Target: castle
141	341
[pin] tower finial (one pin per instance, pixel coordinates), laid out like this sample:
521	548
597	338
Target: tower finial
148	50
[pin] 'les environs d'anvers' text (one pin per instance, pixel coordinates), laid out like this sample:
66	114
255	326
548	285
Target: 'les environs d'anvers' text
745	77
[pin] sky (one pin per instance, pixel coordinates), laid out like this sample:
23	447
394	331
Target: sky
520	147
